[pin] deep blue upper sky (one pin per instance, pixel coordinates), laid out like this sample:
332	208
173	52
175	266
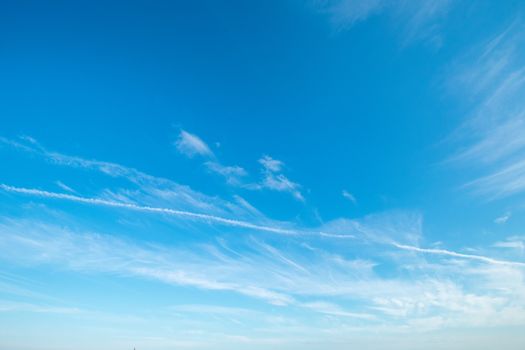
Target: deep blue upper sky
379	143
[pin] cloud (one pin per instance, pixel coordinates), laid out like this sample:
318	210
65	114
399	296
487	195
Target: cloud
367	230
191	145
190	279
10	306
64	187
270	164
415	20
422	20
149	190
345	13
257	275
515	242
232	174
156	188
291	278
297	270
335	310
458	255
88	252
492	76
213	309
279	182
274	180
502	219
349	196
505	182
148	209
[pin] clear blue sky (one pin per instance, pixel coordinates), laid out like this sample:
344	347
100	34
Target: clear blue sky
292	174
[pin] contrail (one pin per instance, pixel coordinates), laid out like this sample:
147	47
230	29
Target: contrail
240	223
458	255
174	212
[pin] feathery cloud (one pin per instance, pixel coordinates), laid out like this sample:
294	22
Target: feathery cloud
458	255
270	164
180	213
492	75
349	196
502	219
191	145
232	174
514	242
418	21
64	187
273	178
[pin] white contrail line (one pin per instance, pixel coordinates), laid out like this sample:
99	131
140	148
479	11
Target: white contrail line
239	223
457	255
335	235
182	213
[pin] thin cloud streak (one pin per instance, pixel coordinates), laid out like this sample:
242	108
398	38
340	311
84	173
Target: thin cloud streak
180	213
416	21
259	275
493	76
458	255
238	223
349	196
191	145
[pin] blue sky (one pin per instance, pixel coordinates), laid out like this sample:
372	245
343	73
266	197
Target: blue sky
278	174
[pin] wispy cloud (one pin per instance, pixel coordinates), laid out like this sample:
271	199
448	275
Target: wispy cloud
514	242
458	255
503	218
149	190
335	310
492	77
275	180
64	186
345	13
270	164
298	269
417	20
148	209
11	306
349	196
233	174
368	231
191	145
263	275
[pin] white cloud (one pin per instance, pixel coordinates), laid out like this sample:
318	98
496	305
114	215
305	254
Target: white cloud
150	190
279	271
516	242
415	20
11	306
274	180
368	231
502	219
335	310
505	182
232	174
458	255
345	13
492	76
349	196
191	145
279	182
270	164
212	309
284	277
148	209
64	187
